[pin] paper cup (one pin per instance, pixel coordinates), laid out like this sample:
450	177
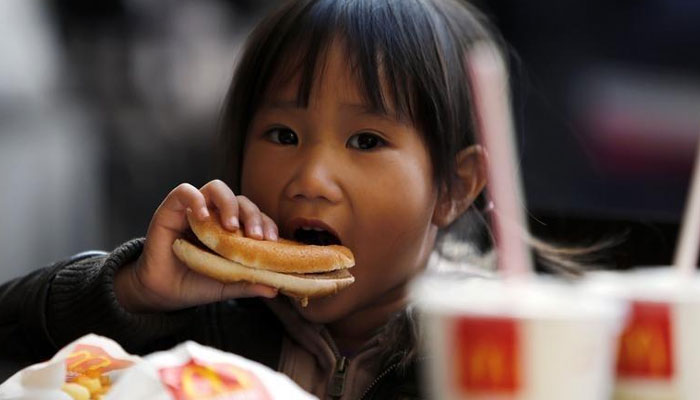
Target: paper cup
534	340
659	351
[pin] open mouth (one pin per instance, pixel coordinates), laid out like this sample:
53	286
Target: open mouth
315	236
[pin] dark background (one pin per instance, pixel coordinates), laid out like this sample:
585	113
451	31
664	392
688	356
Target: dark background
106	106
606	97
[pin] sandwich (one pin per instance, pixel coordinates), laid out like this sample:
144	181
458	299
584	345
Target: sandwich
296	269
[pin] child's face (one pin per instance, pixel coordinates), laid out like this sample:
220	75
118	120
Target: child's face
366	176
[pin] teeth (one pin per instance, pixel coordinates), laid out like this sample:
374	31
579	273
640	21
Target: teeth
309	228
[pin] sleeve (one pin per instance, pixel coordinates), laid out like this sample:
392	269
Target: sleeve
49	308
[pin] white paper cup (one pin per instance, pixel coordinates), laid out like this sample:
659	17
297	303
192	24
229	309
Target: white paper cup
534	340
659	353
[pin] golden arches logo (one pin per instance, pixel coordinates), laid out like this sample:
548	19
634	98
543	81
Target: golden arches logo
83	360
645	346
487	364
201	380
487	355
92	359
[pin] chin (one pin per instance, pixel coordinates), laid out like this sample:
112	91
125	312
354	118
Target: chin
325	310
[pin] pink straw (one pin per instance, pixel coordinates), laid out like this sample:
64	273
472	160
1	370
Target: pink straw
686	255
495	128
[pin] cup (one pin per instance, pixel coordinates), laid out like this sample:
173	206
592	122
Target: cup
659	350
530	339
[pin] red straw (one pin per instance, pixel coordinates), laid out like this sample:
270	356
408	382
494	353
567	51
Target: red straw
495	129
686	255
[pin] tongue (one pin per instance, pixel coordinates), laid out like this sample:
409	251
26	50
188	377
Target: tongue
320	238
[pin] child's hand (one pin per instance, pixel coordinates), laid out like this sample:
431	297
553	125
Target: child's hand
158	281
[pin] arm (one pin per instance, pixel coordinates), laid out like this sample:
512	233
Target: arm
23	333
82	300
49	308
140	294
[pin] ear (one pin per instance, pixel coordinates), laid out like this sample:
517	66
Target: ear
471	177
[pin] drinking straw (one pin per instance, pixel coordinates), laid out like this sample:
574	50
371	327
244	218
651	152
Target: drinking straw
686	255
494	124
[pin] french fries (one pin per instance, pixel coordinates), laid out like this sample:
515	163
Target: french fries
76	391
84	387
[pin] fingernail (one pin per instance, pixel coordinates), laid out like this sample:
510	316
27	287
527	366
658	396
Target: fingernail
234	222
256	231
203	212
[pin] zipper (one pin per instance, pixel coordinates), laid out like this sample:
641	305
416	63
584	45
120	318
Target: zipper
336	387
378	379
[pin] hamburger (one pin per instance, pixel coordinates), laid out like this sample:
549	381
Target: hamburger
298	269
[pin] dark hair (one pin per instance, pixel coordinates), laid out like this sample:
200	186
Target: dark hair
407	56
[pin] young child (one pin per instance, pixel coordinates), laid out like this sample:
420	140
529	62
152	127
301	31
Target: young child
353	116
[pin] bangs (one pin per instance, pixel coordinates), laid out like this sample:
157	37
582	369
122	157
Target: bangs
406	56
382	57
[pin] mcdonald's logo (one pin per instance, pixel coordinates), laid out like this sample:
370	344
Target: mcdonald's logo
646	348
487	355
200	380
92	361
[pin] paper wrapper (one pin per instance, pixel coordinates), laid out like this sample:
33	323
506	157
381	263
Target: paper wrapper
187	372
90	355
192	371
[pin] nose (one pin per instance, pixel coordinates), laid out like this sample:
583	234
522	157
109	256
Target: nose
316	176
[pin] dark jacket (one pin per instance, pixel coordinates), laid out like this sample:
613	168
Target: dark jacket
47	309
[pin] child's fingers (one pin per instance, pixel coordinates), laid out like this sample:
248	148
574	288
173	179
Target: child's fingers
251	217
186	196
221	196
245	289
196	288
269	227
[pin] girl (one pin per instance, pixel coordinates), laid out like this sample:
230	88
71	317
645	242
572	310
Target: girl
352	116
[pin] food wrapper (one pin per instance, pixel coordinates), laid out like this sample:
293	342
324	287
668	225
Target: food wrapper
192	371
187	372
92	357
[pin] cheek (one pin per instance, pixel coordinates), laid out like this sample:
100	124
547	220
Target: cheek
401	194
396	219
398	212
261	180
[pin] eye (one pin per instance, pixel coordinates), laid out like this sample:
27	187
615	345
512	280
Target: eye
283	136
365	141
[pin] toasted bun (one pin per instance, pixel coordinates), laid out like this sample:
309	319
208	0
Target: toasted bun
280	256
302	286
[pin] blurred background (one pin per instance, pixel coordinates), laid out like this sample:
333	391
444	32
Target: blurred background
106	106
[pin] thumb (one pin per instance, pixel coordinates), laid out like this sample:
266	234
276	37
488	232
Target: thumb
247	289
197	289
